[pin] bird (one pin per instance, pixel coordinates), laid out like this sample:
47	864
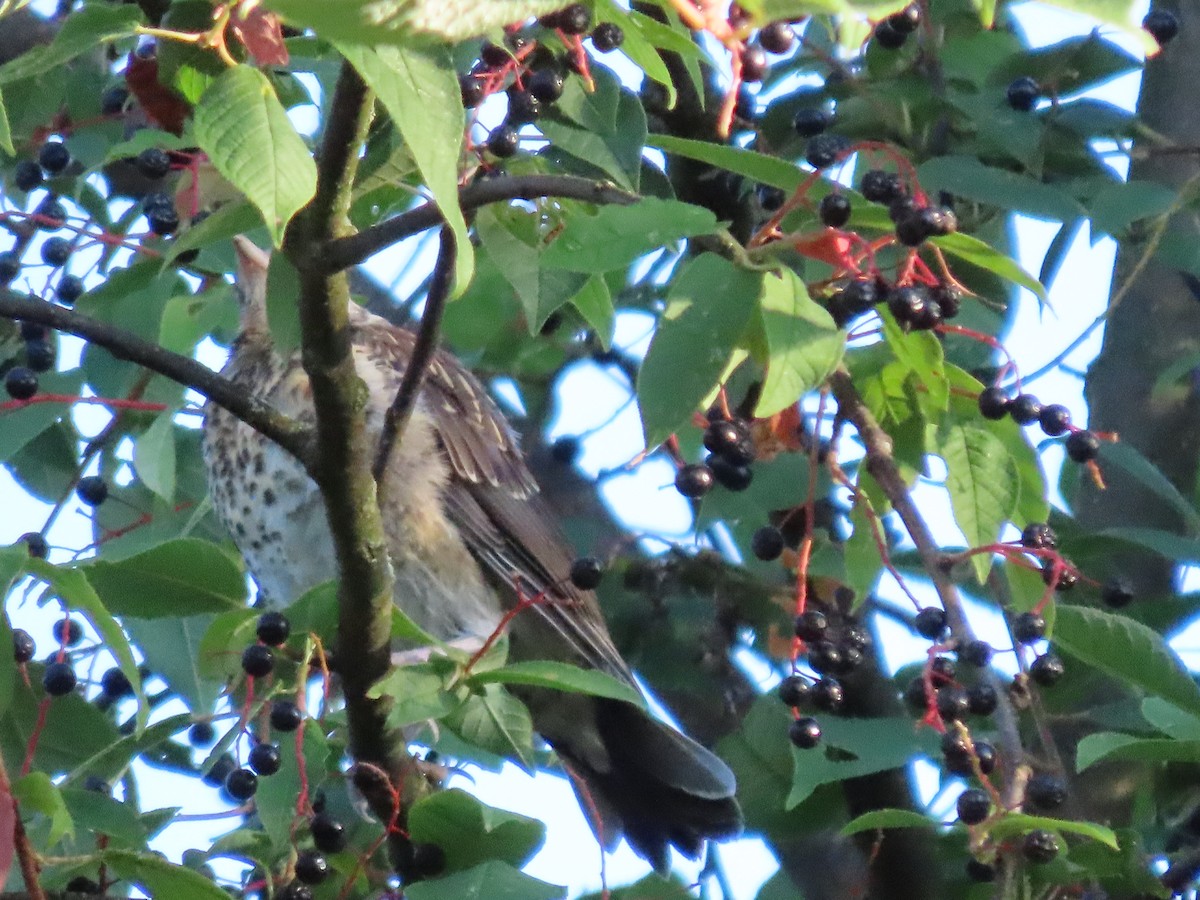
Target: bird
467	534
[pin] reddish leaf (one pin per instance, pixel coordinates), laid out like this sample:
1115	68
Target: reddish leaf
164	105
261	34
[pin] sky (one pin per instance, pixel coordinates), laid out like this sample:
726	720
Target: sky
611	425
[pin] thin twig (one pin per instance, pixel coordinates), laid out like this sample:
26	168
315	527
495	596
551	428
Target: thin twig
400	411
26	857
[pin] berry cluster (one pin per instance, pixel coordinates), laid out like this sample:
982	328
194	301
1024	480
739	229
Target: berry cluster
731	451
833	649
1025	409
893	32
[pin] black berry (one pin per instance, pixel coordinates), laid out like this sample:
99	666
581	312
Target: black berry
694	480
66	632
329	835
81	884
1039	536
115	684
153	163
811	626
10	266
70	289
1045	792
767	543
879	186
914	695
1047	669
931	622
907	20
27	175
770	198
810	122
724	436
823	150
58	679
828	695
982	699
503	141
834	210
1082	446
888	36
1055	419
258	661
53	214
973	806
54	157
21	383
575	19
977	653
1028	627
221	769
952	703
112	101
546	85
92	490
1116	593
285	716
56	251
241	784
295	890
907	304
273	628
607	37
1162	25
754	64
1040	846
777	37
494	55
312	867
825	657
565	450
942	670
470	89
586	573
40	355
805	733
730	475
1065	579
523	108
1025	409
24	647
202	734
1022	95
163	220
35	543
794	690
265	759
428	860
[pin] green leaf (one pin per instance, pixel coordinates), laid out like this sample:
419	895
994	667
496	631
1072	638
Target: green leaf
616	151
162	879
1127	650
967	177
1127	457
187	573
921	353
972	250
172	646
491	881
112	759
1119	205
804	343
1168	545
417	693
472	833
235	217
860	551
764	169
37	792
1171	720
82	32
6	143
497	722
75	729
617	235
154	456
983	484
399	21
418	87
21	425
1076	63
887	818
708	308
1111	746
561	677
594	302
1019	823
77	593
99	814
244	129
277	797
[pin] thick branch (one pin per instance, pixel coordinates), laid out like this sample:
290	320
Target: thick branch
400	411
262	417
343	252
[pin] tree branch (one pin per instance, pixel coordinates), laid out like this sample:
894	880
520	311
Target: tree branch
261	416
343	252
400	411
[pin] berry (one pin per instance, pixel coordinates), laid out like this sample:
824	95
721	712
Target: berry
24	647
811	626
879	186
724	436
1040	846
54	157
770	198
810	122
914	695
825	657
70	289
931	622
523	108
907	304
21	383
1022	95
272	628
828	695
503	141
1066	578
1045	792
265	759
730	475
32	331
27	175
40	355
202	734
575	19
241	784
794	690
52	212
855	637
1047	669
952	703
10	266
92	490
1082	446
1028	627
973	806
311	867
470	89
153	163
986	754
777	37
112	101
822	151
1162	25
258	661
694	480
329	835
977	654
58	679
982	699
35	543
942	670
163	220
546	85
66	632
954	745
907	20
1039	536
81	884
948	299
586	573
607	37
1025	409
493	55
754	64
295	890
221	769
834	210
116	684
805	733
767	543
888	36
56	251
1117	592
980	872
1055	419
285	716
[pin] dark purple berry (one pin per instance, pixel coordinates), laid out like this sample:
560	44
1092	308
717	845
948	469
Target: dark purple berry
220	770
777	37
258	661
21	383
694	480
810	122
241	784
92	490
272	628
907	20
931	622
1040	846
112	101
1045	792
1028	627
70	289
40	355
730	475
607	37
1116	593
523	108
942	670
805	733
952	703
66	632
888	36
329	835
56	251
575	19
1022	95
754	64
311	867
265	759
59	679
35	544
794	690
767	543
879	186
828	695
1047	670
10	266
586	573
546	85
52	213
163	220
973	806
834	210
1162	24
153	163
1082	446
503	141
27	175
822	151
1025	409
1055	419
115	684
285	716
24	647
993	403
983	699
470	89
54	157
811	626
1039	536
202	734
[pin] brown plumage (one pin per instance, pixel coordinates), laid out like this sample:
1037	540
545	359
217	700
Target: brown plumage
465	526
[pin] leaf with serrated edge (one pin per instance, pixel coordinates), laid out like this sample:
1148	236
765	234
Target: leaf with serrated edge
886	818
188	573
1019	823
561	677
1111	746
984	488
804	343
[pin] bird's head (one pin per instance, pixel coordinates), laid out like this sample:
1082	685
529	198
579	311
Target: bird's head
251	285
